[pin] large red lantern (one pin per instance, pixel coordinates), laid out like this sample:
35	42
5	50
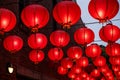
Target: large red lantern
55	54
109	33
95	73
66	13
66	63
102	9
84	36
37	41
13	43
115	60
82	62
61	70
59	38
71	74
74	52
35	16
36	56
7	20
76	69
93	50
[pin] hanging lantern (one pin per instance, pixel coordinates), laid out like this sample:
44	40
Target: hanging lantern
84	36
59	38
7	20
61	70
74	52
116	68
36	56
109	33
55	54
35	16
93	50
66	63
76	69
13	43
82	62
102	9
71	74
37	41
113	49
115	60
66	13
78	77
95	73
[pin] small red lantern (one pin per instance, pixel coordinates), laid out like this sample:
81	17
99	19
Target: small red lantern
35	16
116	68
95	73
66	63
71	74
36	56
55	54
61	70
78	77
67	13
13	43
59	38
115	60
7	20
84	36
109	33
93	50
82	62
102	10
76	69
74	52
37	41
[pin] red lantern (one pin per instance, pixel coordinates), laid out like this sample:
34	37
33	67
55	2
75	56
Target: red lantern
7	20
82	62
115	60
36	56
66	63
71	74
66	13
84	36
59	38
35	16
61	70
74	52
37	41
93	50
102	9
109	33
113	49
78	77
95	73
13	43
76	69
116	68
55	54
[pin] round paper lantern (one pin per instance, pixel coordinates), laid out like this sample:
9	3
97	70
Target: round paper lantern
35	16
113	49
36	56
95	73
76	69
7	20
82	62
66	63
67	13
102	9
71	74
55	54
109	33
84	36
13	43
74	52
93	50
78	77
59	38
61	70
37	41
115	60
116	68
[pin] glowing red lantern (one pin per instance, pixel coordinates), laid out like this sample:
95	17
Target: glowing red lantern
71	74
13	43
109	33
102	10
116	68
66	13
78	77
66	63
95	73
84	36
76	69
55	54
93	50
74	52
82	62
36	56
37	41
35	16
115	60
59	38
7	20
61	70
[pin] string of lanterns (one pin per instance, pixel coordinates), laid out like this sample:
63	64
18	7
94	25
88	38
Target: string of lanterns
67	13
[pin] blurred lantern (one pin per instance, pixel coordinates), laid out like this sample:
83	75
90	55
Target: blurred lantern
66	63
84	74
35	16
74	52
7	20
61	70
66	13
82	62
104	68
116	68
13	43
78	77
55	54
99	61
93	50
37	41
109	33
76	69
102	9
115	60
59	38
95	73
71	74
113	49
84	36
36	56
